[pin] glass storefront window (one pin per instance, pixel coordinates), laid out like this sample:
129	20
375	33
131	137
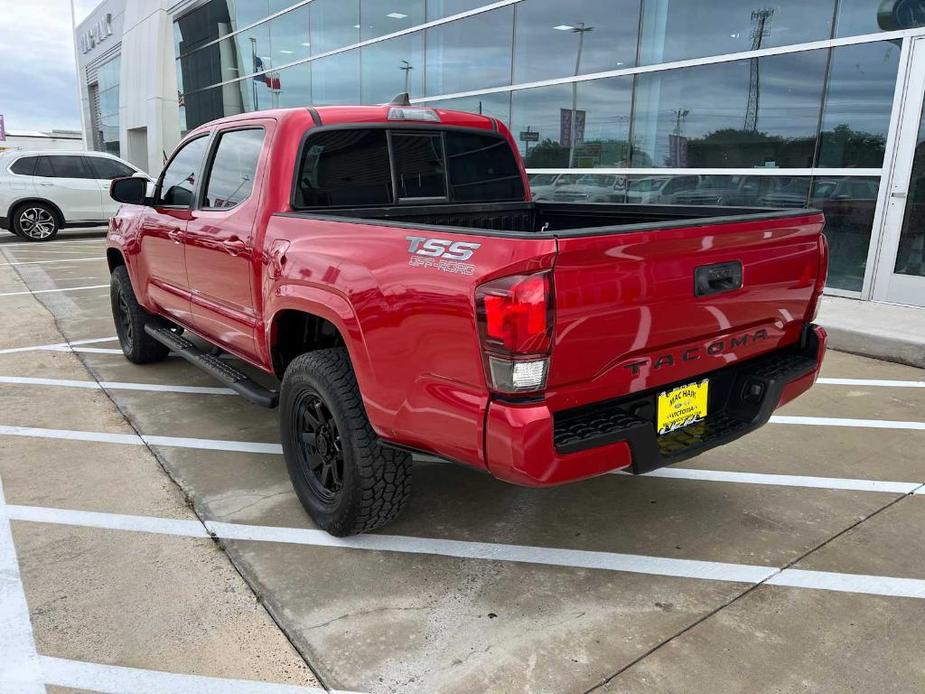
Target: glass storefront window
848	203
540	111
336	79
289	38
856	17
381	17
334	24
254	51
682	29
393	66
469	54
859	98
549	34
437	9
910	259
756	112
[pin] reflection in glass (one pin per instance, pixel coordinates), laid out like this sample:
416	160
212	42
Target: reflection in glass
910	259
539	111
857	17
722	115
469	54
437	9
393	66
497	105
295	86
681	29
858	101
334	24
380	17
336	79
548	35
848	203
289	39
105	120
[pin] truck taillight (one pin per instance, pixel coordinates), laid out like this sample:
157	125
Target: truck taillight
516	319
821	277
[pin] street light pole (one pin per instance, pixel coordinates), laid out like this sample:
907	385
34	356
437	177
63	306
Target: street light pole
581	30
80	79
254	67
406	68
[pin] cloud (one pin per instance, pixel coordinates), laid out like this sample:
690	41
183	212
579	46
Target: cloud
38	84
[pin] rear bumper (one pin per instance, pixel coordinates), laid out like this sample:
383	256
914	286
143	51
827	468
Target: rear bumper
531	446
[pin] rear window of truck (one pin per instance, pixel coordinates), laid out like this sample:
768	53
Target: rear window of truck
356	167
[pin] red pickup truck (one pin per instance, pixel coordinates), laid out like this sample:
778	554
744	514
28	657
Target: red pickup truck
387	270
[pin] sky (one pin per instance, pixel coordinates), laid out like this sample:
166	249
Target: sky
38	85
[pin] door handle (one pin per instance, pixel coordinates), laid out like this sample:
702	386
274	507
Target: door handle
234	246
898	195
174	235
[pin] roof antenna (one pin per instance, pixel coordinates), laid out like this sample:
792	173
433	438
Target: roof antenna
401	99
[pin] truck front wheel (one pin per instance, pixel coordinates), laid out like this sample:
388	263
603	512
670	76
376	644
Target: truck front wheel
345	478
130	319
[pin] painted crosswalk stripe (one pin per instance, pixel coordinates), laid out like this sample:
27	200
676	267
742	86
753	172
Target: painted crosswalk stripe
52	291
491	551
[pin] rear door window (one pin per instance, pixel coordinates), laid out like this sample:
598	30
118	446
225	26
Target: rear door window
109	169
346	168
231	178
69	167
419	165
24	166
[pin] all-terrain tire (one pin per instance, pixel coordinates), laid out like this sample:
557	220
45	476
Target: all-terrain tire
375	479
130	319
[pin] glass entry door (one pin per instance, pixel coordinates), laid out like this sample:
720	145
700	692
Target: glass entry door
901	267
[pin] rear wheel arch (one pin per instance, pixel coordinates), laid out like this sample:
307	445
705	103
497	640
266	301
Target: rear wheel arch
114	259
294	332
17	204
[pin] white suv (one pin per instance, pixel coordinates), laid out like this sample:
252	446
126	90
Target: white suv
41	192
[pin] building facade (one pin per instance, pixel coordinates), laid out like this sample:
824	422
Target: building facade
774	103
42	139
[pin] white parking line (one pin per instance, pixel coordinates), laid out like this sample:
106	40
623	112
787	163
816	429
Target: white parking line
100	258
115	385
135	440
854	423
58	346
116	678
847	484
88	350
20	670
48	291
101	239
870	383
493	551
834	483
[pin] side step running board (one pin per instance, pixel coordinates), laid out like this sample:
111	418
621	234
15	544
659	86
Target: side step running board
234	379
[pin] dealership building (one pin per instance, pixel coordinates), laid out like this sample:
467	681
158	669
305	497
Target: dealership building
773	103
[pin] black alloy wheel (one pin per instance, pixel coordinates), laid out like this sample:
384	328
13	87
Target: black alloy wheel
320	446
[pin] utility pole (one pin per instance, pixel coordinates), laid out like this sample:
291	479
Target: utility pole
406	68
760	19
254	63
581	30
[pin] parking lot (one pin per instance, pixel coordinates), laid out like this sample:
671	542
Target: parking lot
147	520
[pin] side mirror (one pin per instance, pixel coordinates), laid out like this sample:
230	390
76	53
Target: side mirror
131	190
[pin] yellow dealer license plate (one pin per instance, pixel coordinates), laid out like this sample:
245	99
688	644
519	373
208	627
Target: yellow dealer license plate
681	406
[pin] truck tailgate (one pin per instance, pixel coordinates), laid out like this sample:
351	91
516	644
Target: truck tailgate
629	317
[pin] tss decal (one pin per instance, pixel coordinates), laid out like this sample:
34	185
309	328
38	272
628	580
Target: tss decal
441	248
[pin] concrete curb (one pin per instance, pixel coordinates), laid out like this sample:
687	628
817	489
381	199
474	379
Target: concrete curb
871	329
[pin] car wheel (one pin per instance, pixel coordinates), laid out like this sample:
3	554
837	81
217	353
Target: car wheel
346	479
36	221
130	319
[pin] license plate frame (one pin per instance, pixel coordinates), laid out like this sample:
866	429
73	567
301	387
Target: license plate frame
682	406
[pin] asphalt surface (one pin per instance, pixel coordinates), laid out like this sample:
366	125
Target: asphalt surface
150	540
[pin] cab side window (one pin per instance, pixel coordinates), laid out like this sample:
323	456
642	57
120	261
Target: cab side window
231	177
179	179
347	167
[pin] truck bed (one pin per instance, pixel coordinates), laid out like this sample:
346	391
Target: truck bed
550	219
